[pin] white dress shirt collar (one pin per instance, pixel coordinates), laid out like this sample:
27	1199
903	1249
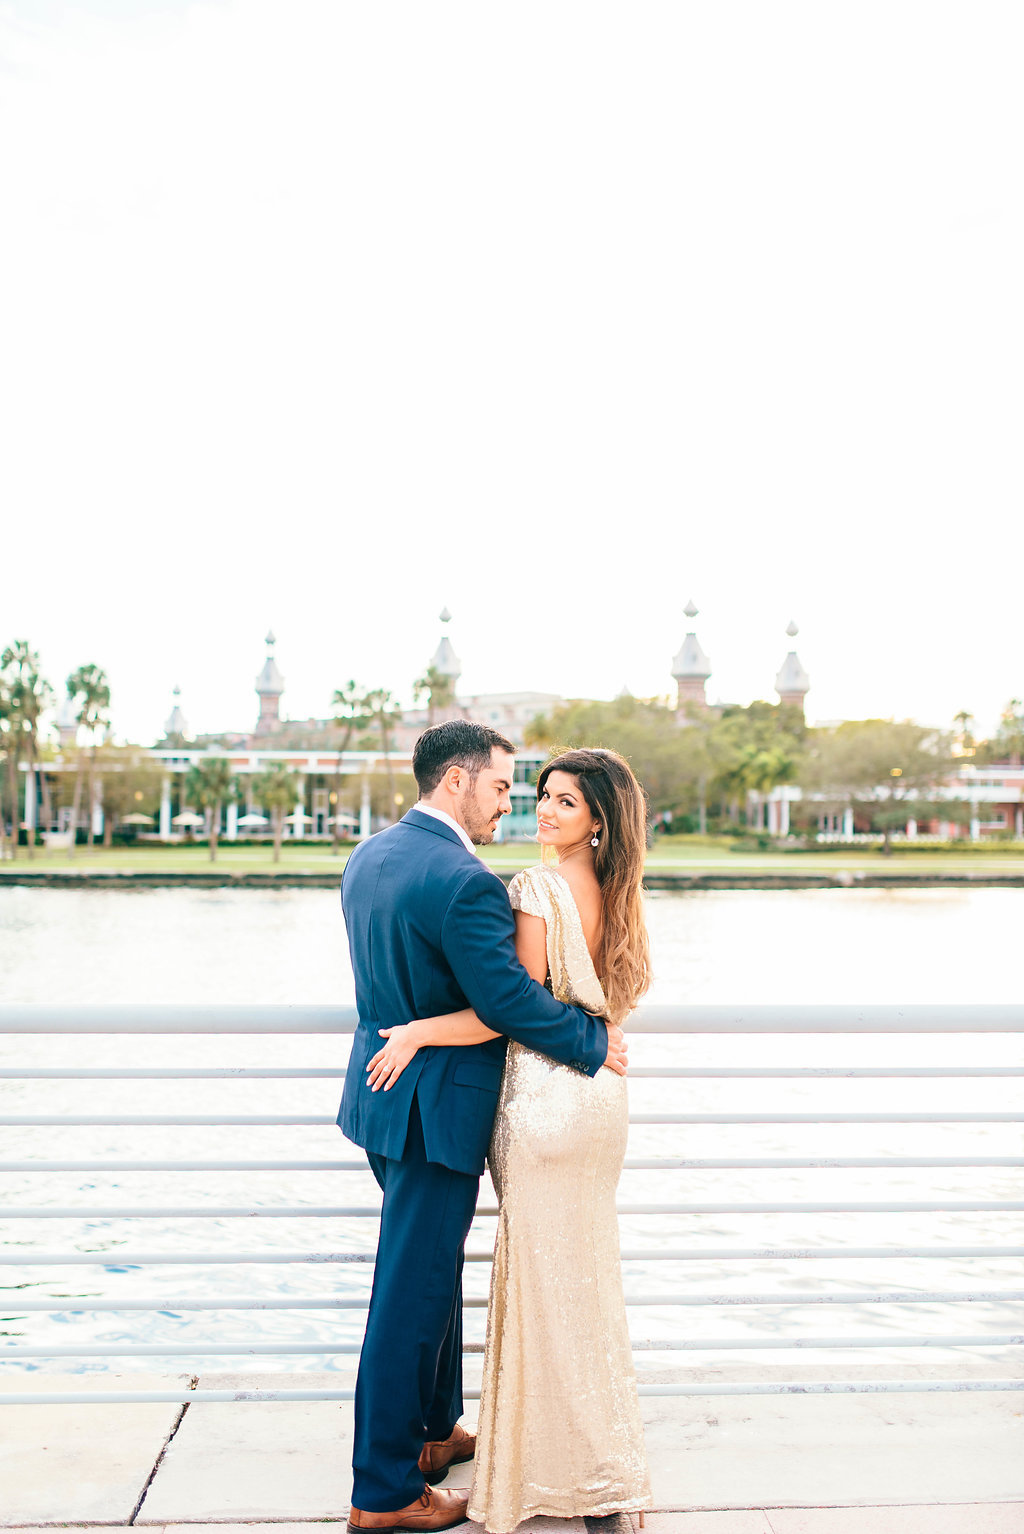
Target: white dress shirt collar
448	820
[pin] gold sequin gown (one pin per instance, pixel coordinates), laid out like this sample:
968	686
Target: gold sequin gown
560	1431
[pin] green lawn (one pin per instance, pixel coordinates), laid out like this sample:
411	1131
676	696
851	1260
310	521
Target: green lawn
314	856
695	853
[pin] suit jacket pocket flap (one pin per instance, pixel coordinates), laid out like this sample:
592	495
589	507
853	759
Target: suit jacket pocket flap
479	1073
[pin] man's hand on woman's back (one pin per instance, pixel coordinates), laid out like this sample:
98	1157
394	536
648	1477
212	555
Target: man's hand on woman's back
618	1050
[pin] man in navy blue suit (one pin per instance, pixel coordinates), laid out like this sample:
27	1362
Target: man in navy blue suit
431	931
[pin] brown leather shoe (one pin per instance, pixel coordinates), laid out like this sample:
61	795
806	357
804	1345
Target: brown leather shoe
438	1456
434	1510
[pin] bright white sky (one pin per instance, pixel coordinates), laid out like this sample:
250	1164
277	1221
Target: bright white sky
322	315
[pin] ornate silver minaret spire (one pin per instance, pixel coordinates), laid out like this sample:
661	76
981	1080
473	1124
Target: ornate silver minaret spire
691	667
792	683
444	660
177	725
269	687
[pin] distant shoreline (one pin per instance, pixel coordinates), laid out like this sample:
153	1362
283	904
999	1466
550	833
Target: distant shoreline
24	875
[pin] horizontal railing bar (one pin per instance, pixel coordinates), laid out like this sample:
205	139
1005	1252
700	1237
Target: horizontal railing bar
739	1388
716	1344
828	1387
816	1072
190	1349
244	1348
166	1120
486	1211
837	1018
183	1166
172	1073
751	1163
884	1297
643	1072
323	1120
797	1118
122	1259
80	1304
632	1163
204	1212
297	1120
172	1018
936	1206
755	1253
197	1350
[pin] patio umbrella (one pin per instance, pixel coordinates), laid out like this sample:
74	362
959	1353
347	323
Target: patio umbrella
137	820
343	820
298	815
188	818
252	819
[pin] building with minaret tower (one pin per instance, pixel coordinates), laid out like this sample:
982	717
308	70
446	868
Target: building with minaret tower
444	660
691	668
792	683
269	687
176	727
446	669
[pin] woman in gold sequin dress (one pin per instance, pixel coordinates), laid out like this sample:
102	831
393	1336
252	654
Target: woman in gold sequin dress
560	1431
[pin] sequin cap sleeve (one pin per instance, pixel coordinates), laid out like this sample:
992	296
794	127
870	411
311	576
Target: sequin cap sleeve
529	891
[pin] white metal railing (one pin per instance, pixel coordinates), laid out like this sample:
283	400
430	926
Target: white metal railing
296	1020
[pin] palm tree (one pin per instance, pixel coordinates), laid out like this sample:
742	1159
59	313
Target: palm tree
350	713
382	712
29	694
437	688
275	791
210	784
765	769
89	690
965	739
1011	730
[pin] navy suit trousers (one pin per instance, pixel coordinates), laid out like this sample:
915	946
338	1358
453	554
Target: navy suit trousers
409	1385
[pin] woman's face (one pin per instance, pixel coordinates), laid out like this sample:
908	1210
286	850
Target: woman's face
563	817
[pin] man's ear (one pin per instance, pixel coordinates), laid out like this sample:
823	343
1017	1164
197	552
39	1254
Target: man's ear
452	779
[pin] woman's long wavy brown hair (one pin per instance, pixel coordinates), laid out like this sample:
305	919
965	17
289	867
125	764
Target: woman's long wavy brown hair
615	798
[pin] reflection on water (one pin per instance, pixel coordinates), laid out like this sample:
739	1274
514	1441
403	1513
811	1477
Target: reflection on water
743	947
733	945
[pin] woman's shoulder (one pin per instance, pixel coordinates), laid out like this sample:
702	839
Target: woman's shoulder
586	894
537	875
541	890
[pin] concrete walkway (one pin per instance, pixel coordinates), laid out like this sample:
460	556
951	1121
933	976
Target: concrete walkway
797	1464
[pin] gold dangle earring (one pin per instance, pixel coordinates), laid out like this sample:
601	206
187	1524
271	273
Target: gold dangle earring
594	839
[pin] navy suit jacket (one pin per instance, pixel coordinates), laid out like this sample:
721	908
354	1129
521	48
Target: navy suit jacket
430	931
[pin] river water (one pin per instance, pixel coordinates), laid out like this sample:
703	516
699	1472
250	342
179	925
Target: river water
289	946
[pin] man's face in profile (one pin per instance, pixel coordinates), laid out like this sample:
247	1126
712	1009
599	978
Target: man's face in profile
484	801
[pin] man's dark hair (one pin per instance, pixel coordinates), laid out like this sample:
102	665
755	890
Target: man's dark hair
454	743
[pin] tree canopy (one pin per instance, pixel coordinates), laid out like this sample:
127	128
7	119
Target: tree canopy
886	770
1007	744
709	758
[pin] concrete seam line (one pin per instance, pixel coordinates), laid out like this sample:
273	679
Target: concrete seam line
179	1419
